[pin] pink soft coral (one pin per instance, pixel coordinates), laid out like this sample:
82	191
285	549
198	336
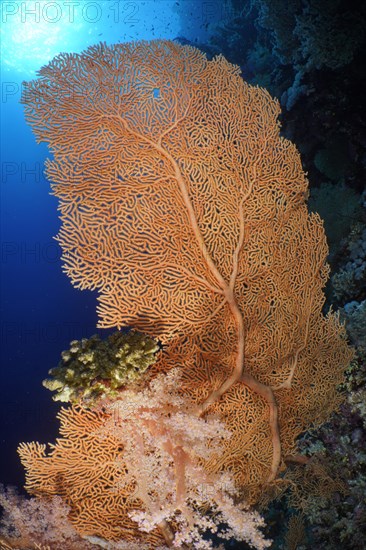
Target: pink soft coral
37	523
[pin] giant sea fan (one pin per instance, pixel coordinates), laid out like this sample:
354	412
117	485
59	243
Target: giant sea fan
184	207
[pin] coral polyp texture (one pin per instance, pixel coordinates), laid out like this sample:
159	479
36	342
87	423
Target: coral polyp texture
93	368
184	207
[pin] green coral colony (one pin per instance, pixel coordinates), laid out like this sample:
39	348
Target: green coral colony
94	368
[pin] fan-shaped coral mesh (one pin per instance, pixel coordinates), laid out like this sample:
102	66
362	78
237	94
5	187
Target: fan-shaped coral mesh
89	473
182	204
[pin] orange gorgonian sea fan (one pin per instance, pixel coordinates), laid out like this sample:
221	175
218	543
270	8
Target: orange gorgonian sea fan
184	207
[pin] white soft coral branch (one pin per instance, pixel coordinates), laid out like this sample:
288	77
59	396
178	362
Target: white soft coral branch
165	447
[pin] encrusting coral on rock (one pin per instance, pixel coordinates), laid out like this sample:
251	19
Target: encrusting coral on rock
93	368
